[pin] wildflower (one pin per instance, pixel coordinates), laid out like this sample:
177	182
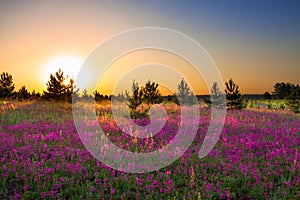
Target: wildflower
43	194
149	178
61	179
17	196
112	191
155	182
139	181
168	173
26	187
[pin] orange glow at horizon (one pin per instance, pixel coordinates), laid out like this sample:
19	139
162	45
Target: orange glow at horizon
144	65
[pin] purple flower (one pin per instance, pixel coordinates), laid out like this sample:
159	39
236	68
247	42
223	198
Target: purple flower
17	196
155	182
26	187
112	191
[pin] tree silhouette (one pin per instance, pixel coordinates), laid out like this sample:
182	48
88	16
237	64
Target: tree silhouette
267	96
70	90
98	96
58	89
184	94
35	95
137	96
150	93
123	96
6	85
183	89
217	97
234	98
23	93
293	99
282	90
85	95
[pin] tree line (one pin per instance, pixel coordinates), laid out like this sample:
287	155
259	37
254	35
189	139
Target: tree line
61	88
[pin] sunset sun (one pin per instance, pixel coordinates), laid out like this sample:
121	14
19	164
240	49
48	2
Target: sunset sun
69	64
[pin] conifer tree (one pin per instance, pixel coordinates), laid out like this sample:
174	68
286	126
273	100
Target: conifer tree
6	85
58	89
184	94
234	98
217	97
137	96
150	93
23	93
98	96
293	99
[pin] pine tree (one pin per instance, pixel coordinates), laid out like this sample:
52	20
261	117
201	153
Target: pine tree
35	95
123	96
126	95
217	97
137	96
147	94
6	85
98	96
293	99
151	94
183	92
282	90
70	90
234	98
57	89
85	95
23	93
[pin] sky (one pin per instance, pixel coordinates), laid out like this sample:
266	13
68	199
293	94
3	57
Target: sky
256	43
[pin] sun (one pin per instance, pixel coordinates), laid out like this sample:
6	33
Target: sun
69	64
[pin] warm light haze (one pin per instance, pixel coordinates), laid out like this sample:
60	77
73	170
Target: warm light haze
257	43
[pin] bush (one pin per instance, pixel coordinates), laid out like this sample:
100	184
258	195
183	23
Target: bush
251	104
281	105
269	105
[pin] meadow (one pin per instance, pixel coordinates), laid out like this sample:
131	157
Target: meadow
42	157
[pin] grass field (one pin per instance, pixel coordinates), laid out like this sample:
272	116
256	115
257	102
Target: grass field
42	157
